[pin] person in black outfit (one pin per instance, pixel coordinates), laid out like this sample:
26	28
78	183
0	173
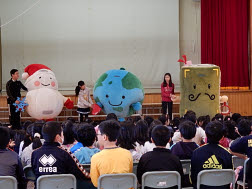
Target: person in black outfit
10	164
250	173
13	88
51	158
211	156
185	148
244	147
160	159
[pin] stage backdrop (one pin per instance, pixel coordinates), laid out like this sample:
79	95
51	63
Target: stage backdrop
224	40
81	39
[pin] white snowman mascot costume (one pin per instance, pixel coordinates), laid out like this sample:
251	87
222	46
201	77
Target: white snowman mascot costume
44	100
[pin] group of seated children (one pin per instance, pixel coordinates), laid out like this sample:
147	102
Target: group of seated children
112	147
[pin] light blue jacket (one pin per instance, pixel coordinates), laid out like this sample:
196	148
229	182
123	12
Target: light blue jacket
84	154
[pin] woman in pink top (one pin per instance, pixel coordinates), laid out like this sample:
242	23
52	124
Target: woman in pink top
167	90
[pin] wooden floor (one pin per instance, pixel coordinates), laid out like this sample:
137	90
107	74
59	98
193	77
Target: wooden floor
239	101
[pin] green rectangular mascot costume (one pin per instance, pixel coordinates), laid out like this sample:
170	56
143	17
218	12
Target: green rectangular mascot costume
200	89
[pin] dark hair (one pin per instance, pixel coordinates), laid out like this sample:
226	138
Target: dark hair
26	124
187	130
155	123
205	120
151	127
68	132
37	128
86	134
18	137
214	131
12	133
28	135
136	119
50	130
75	131
125	138
235	117
95	123
190	117
163	119
13	71
190	112
110	128
111	116
244	127
175	121
77	88
227	118
71	119
201	119
4	137
160	135
36	142
141	132
218	117
130	119
170	82
230	127
149	120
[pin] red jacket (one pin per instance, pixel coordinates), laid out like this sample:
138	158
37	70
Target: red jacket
166	92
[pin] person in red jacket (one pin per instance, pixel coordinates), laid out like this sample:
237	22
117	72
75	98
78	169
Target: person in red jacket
167	90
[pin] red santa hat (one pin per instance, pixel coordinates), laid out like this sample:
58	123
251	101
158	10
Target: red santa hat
32	68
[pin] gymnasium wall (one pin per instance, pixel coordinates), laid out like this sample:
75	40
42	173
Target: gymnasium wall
81	39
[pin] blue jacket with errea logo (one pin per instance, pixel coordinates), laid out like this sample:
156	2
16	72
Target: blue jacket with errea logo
52	159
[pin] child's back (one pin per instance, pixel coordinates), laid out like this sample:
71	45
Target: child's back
111	161
211	155
86	136
10	164
184	150
160	159
84	154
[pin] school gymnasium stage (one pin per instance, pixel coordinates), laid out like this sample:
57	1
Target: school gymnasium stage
240	101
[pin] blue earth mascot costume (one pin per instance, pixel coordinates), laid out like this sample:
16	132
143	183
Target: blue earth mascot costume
119	92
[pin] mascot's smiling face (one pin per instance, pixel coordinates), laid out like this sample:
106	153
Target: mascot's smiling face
200	89
42	79
117	90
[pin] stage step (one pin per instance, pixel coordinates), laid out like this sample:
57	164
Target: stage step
149	109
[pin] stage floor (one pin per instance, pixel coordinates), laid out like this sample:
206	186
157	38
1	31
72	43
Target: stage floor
238	100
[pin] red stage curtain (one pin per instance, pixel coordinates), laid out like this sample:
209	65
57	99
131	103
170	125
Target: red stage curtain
224	40
250	41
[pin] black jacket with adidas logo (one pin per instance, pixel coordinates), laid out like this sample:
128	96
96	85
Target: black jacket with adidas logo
210	156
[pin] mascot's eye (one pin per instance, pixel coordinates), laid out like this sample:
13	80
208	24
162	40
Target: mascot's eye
194	86
107	96
39	77
123	97
209	86
50	78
